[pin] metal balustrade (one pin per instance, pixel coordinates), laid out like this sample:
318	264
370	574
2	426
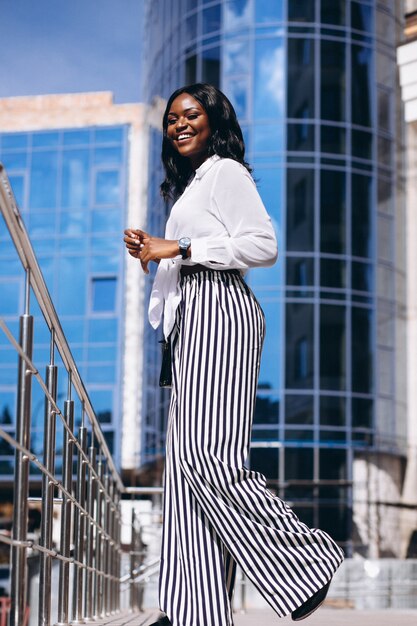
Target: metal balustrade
90	551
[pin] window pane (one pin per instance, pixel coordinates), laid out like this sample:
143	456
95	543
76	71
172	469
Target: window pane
269	79
299	464
361	17
72	285
332	411
333	81
108	187
362	361
361	215
333	464
237	92
7	406
236	56
333	273
102	331
362	413
269	11
106	221
74	222
362	276
237	14
301	11
211	66
113	154
108	135
265	461
332	212
104	294
14	160
299	334
362	144
41	224
270	372
10	298
48	139
76	137
332	347
300	137
43	180
75	175
12	140
267	138
333	139
333	12
361	87
299	409
300	272
300	210
17	183
211	19
191	69
300	84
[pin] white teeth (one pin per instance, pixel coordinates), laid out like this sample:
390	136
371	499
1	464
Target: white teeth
185	136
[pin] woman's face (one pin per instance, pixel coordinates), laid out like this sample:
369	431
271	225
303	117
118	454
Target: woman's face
188	129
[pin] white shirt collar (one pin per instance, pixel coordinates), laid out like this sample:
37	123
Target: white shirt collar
204	167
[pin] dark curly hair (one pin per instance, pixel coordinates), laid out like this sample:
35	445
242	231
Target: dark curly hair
226	137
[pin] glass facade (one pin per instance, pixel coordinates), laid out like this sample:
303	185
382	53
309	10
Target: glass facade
313	84
70	187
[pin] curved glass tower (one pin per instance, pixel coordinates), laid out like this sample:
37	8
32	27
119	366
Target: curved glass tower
314	86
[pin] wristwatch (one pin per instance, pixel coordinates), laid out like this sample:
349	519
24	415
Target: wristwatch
184	243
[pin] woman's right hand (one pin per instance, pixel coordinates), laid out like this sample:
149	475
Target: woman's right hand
134	243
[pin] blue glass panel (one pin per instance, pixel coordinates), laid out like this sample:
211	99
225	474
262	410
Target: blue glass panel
270	376
7	407
13	267
361	17
75	178
43	140
106	244
10	298
72	285
103	330
269	10
74	222
18	187
8	355
269	79
113	154
107	187
74	329
237	14
236	56
362	85
41	224
73	244
102	401
109	135
102	354
210	66
14	160
106	221
43	181
237	92
211	19
8	375
105	263
12	140
101	374
268	138
104	294
76	137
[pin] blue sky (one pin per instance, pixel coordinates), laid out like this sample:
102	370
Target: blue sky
64	46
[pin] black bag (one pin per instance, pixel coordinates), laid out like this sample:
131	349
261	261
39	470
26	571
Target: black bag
165	378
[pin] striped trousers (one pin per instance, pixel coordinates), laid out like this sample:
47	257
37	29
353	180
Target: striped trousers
218	513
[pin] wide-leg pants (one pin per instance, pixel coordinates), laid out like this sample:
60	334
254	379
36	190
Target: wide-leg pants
216	511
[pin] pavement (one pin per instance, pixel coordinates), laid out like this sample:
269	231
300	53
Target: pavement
266	617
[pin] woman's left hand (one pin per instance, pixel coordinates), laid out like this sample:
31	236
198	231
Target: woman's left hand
147	248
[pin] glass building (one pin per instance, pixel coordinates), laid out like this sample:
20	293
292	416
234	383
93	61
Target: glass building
314	85
71	185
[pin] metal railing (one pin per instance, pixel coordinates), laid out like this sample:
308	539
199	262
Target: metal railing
90	550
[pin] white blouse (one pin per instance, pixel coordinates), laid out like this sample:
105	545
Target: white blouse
222	213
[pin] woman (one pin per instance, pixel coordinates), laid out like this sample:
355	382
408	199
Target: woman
217	513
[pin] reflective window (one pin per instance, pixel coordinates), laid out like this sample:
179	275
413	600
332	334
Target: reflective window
361	92
103	297
301	76
300	271
43	180
361	16
361	215
237	14
211	66
332	211
41	224
299	464
333	464
269	72
76	137
299	334
268	138
299	409
108	154
10	298
300	210
74	222
301	11
384	109
72	285
17	183
361	144
107	187
269	10
361	350
191	69
333	139
75	178
7	407
108	135
332	347
191	27
362	276
333	81
300	137
14	160
333	273
15	140
237	92
385	151
102	330
362	413
47	139
333	12
270	372
106	221
211	19
236	56
332	411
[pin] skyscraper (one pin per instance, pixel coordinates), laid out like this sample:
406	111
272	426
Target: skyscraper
76	163
314	86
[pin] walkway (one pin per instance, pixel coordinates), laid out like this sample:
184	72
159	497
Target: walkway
323	617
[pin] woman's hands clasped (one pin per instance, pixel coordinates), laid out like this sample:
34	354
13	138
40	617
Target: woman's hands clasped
146	248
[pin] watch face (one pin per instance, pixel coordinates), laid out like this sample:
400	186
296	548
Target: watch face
185	242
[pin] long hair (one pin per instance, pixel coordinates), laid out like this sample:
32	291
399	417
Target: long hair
226	138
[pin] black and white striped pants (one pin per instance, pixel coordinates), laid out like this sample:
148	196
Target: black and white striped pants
217	512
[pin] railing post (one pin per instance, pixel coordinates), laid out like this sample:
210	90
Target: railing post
18	562
98	582
77	591
66	509
48	486
91	501
106	542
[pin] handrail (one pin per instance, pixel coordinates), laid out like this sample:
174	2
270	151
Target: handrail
28	259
